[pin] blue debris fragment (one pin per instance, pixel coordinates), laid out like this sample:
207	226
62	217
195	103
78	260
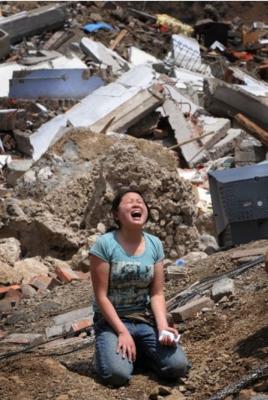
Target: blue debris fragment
96	26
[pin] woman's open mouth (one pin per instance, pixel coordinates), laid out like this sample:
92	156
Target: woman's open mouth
136	215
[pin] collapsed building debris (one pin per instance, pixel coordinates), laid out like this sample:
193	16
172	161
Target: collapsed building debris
66	148
35	21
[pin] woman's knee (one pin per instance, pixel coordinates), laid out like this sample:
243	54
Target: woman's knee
116	375
175	366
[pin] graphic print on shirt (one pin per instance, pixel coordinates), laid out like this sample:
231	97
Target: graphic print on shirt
129	284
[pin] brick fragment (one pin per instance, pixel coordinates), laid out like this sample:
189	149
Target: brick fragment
80	326
5	289
190	309
66	274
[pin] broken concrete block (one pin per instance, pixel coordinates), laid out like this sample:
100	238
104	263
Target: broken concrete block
71	322
248	152
25	24
190	309
56	330
227	145
23	339
65	273
11	119
4	43
9	250
16	169
102	55
221	288
43	282
29	268
75	315
9	275
175	272
224	99
131	111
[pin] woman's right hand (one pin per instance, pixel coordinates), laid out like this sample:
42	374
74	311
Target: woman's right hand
126	345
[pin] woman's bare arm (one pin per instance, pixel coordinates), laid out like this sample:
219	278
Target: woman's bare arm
158	303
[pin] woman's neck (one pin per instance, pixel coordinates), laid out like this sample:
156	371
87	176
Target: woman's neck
130	235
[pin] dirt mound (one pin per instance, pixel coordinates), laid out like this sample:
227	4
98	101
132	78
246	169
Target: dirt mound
133	163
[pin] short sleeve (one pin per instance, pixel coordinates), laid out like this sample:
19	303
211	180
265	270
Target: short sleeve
159	251
101	249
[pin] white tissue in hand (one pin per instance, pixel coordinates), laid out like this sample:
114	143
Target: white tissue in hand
171	335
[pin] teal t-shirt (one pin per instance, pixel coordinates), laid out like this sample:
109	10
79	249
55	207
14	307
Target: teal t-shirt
130	276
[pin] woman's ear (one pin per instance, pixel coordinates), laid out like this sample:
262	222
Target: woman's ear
115	215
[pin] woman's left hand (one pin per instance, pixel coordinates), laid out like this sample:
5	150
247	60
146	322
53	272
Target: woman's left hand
166	340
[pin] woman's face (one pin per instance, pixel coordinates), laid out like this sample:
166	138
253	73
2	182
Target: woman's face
132	211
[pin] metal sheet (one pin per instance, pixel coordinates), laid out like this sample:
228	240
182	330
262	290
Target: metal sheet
54	83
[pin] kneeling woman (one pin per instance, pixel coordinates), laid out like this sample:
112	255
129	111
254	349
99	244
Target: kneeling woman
130	312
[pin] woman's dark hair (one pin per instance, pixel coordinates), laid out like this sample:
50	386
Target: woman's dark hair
117	200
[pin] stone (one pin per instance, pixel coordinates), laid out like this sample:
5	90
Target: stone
101	228
23	338
8	275
16	169
246	394
190	309
29	268
208	244
27	291
43	282
9	250
29	177
223	287
194	256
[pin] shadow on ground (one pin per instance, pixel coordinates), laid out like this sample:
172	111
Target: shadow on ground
254	345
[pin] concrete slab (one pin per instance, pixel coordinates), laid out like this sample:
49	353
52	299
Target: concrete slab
182	130
102	55
53	83
7	69
29	23
4	43
106	101
224	99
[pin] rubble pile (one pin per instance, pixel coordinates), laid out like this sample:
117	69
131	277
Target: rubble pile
165	98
